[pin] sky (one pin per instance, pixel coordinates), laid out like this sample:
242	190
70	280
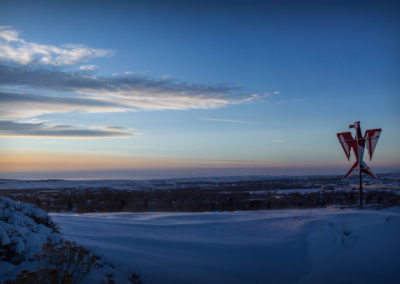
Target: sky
158	89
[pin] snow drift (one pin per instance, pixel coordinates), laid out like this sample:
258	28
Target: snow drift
277	246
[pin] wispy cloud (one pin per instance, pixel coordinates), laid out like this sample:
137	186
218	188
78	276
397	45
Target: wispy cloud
25	64
279	141
132	91
15	105
17	50
15	129
39	68
67	81
225	120
89	68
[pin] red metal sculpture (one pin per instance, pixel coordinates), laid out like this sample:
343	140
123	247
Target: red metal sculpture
370	139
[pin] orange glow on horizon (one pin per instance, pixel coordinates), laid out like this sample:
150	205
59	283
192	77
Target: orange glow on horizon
28	160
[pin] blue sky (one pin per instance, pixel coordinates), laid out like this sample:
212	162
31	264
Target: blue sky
222	87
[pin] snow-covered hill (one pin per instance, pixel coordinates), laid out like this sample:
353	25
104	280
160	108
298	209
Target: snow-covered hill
328	245
24	229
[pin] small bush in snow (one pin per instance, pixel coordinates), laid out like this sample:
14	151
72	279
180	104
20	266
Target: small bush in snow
136	278
65	264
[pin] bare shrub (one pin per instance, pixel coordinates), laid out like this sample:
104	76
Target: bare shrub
135	278
65	264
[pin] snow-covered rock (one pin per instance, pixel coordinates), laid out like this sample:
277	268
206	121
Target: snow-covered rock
24	229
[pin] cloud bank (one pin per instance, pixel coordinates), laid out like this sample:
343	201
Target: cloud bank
131	91
17	50
34	81
16	105
14	129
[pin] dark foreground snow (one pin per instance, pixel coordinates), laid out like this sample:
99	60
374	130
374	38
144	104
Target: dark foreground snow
276	246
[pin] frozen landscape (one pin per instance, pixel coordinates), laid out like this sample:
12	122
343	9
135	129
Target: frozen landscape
328	245
199	142
211	230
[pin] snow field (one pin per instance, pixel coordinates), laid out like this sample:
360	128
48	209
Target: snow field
275	246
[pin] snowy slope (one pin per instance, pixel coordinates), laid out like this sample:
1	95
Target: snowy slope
276	246
24	229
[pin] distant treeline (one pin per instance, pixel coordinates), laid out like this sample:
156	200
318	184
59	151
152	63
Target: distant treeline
191	199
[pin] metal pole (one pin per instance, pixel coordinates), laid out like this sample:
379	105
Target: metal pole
360	178
358	133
